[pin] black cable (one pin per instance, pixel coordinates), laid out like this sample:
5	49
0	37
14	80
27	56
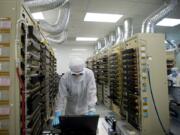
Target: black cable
157	113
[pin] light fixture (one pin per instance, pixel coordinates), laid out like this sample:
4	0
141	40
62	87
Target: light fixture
75	54
79	49
38	16
169	22
86	39
100	17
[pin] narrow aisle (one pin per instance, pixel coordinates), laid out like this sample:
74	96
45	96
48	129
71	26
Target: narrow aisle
102	110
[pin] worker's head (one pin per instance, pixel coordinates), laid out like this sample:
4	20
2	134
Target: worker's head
76	66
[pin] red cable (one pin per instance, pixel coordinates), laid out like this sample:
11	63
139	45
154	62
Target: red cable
22	91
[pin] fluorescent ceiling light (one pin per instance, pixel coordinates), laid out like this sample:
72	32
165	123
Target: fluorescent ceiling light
86	39
38	16
98	17
169	22
75	54
75	49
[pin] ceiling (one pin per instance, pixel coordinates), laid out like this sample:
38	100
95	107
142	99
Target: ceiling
138	10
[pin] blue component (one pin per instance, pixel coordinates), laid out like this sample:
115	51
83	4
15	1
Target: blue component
145	100
56	120
91	113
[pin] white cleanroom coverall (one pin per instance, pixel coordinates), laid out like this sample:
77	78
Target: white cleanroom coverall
77	93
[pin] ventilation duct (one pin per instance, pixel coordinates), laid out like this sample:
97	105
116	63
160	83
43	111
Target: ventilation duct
43	5
96	49
128	28
99	45
108	41
112	39
57	39
57	34
119	34
104	43
150	22
61	23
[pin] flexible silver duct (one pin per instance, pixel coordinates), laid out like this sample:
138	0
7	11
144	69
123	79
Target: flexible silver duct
57	30
150	22
104	43
99	45
112	39
57	39
119	34
108	41
61	23
128	28
43	5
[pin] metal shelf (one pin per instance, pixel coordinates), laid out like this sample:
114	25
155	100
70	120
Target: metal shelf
4	73
34	44
4	59
4	44
4	87
4	30
4	102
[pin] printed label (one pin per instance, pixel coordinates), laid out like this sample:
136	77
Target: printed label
143	55
143	48
5	24
4	110
145	108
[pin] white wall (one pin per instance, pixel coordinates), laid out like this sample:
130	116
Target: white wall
64	53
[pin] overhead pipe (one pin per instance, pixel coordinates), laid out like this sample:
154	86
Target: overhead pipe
61	23
112	39
128	28
57	34
104	43
43	5
119	34
150	22
99	45
57	39
108	41
95	49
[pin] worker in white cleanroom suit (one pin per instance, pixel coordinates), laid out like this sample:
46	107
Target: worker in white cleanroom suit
175	76
77	91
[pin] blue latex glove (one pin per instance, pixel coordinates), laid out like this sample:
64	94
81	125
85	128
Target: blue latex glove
56	120
90	113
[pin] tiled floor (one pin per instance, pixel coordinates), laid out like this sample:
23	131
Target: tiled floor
175	125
